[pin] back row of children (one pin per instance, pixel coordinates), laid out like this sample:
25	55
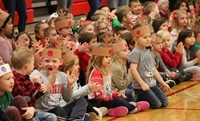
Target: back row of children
85	71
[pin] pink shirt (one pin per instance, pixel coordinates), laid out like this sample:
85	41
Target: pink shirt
5	50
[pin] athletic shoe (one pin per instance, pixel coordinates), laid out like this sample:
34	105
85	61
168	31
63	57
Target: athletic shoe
118	111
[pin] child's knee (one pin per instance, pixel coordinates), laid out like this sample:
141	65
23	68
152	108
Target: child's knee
156	105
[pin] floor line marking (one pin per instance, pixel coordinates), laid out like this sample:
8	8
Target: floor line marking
175	92
182	108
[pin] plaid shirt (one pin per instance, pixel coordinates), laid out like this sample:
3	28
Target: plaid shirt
25	87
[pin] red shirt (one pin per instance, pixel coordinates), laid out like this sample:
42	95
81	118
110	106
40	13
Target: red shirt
171	60
84	59
25	87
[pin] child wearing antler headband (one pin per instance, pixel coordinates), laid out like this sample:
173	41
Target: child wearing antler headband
64	23
71	62
6	27
144	71
57	100
99	73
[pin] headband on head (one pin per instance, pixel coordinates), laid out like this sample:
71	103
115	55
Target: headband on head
4	69
54	53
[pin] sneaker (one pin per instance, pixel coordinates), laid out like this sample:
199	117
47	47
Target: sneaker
142	106
171	83
102	111
118	111
92	116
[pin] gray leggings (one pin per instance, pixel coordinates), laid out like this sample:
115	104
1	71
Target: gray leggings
64	4
192	69
117	3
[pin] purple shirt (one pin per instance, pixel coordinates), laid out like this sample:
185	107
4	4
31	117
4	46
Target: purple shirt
5	50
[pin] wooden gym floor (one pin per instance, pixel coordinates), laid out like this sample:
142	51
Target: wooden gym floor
184	105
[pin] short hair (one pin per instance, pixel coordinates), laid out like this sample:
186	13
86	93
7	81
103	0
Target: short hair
48	30
97	15
20	57
148	6
122	12
86	37
133	1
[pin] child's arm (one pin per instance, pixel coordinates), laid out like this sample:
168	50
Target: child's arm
137	77
160	80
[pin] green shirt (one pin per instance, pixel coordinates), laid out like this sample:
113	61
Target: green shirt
5	100
196	47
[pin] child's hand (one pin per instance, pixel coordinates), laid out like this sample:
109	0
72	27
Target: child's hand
166	87
179	48
37	79
145	87
84	47
29	112
172	74
71	78
93	87
43	88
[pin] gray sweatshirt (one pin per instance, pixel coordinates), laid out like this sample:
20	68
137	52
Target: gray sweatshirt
59	94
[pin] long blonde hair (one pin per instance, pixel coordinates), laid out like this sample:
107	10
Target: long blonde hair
176	14
96	63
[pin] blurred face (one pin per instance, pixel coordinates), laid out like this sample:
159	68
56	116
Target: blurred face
136	8
8	28
156	10
66	31
183	6
103	19
50	64
143	41
106	9
157	45
93	42
30	66
23	41
189	41
164	26
41	30
7	83
182	20
164	7
106	61
75	66
123	54
128	19
198	39
89	28
166	42
102	28
53	36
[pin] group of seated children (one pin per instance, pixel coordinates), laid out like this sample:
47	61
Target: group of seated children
119	63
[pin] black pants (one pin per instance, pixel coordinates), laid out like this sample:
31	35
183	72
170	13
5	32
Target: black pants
74	110
118	102
94	5
20	7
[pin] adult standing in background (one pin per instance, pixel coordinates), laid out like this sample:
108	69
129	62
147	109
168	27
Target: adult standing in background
116	3
94	5
64	4
20	7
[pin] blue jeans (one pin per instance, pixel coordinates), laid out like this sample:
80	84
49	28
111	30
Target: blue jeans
44	116
117	3
154	96
94	5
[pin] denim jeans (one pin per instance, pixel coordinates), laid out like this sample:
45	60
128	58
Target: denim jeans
117	3
155	96
20	7
65	4
44	116
94	5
